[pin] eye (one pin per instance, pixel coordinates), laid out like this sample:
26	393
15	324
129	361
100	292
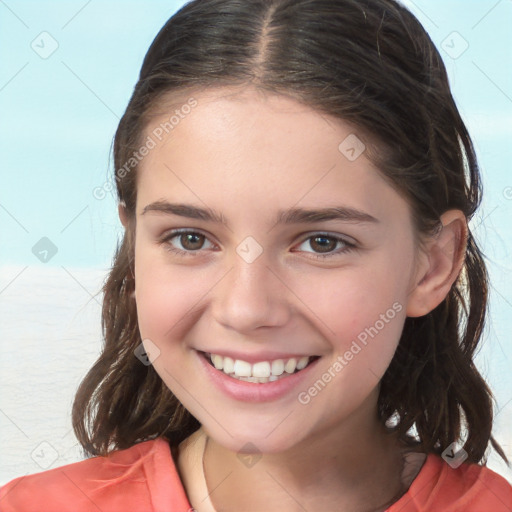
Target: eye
190	241
323	245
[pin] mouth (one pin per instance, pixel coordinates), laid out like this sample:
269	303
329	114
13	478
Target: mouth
260	372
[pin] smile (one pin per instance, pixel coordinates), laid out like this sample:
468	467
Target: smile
260	372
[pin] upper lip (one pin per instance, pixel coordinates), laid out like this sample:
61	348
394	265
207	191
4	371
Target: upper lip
257	356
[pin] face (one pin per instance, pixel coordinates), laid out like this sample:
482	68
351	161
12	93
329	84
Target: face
259	279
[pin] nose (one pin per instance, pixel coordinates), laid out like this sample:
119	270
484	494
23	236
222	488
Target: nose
251	295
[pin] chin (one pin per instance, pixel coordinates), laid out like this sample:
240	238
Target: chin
254	439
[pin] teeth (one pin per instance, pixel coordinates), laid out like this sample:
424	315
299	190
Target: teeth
277	367
290	365
242	368
262	372
261	369
229	365
301	363
217	361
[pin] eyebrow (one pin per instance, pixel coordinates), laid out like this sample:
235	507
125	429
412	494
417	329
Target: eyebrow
290	216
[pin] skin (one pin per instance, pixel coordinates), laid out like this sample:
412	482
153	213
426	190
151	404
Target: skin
247	155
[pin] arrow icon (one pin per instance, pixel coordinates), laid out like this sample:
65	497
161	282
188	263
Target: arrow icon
454	456
249	249
44	250
352	147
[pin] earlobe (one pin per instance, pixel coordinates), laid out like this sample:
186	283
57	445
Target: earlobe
442	263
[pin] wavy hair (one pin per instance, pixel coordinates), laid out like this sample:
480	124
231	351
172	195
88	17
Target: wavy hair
371	64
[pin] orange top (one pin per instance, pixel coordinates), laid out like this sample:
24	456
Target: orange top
144	478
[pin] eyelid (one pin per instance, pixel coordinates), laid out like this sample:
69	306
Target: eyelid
169	235
349	242
349	245
342	237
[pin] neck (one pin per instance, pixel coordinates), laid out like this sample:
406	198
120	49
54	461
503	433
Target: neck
354	467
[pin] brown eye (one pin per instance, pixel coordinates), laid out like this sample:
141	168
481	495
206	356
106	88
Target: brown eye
324	246
323	243
192	241
186	242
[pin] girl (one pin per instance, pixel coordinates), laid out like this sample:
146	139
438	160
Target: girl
291	316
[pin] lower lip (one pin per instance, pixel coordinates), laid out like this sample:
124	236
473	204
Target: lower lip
252	391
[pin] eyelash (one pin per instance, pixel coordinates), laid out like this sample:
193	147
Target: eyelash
348	246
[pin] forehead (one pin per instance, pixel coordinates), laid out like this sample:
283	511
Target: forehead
257	150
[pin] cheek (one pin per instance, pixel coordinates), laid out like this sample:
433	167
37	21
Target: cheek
361	312
165	295
164	311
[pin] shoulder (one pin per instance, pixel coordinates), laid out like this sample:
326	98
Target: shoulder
468	488
137	478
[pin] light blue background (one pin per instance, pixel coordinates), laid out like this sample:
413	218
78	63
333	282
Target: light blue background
58	117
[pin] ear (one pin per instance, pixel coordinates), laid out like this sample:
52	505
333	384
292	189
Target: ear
440	265
121	208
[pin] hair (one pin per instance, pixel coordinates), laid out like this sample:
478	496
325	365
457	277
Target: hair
369	63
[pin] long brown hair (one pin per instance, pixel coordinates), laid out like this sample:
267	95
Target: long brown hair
369	63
